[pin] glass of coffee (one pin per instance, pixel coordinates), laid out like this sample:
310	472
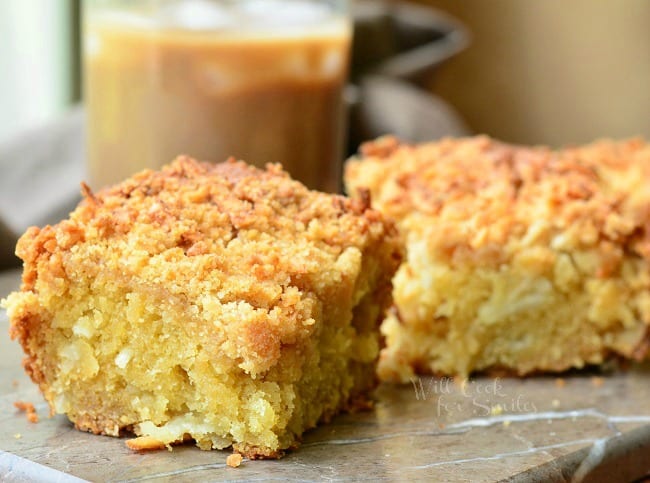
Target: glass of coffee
260	80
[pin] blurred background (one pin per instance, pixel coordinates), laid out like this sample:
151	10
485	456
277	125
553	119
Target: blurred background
551	71
541	72
39	62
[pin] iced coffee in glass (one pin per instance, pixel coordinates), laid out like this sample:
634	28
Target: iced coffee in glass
260	80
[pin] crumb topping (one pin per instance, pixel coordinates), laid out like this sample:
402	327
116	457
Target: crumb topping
259	232
484	194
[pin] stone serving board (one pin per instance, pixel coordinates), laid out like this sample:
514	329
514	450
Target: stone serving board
583	426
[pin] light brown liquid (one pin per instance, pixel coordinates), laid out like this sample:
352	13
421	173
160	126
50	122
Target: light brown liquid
154	94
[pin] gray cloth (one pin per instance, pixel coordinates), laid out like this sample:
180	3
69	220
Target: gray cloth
396	44
40	175
392	106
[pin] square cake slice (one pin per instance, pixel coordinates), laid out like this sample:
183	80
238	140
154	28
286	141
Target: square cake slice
219	303
518	259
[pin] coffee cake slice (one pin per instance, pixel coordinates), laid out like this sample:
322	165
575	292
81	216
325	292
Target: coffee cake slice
219	303
518	259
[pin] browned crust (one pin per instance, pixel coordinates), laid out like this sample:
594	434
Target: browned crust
642	350
258	453
98	424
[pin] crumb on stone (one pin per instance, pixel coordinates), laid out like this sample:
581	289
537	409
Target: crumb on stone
234	460
597	381
144	443
496	410
462	383
28	409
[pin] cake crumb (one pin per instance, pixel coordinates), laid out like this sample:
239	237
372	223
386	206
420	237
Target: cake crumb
555	403
18	436
462	383
144	443
506	423
234	460
29	410
496	410
14	383
559	382
597	381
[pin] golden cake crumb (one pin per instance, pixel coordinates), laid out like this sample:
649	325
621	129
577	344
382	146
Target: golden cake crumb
144	443
496	410
519	259
597	381
234	460
29	410
219	303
